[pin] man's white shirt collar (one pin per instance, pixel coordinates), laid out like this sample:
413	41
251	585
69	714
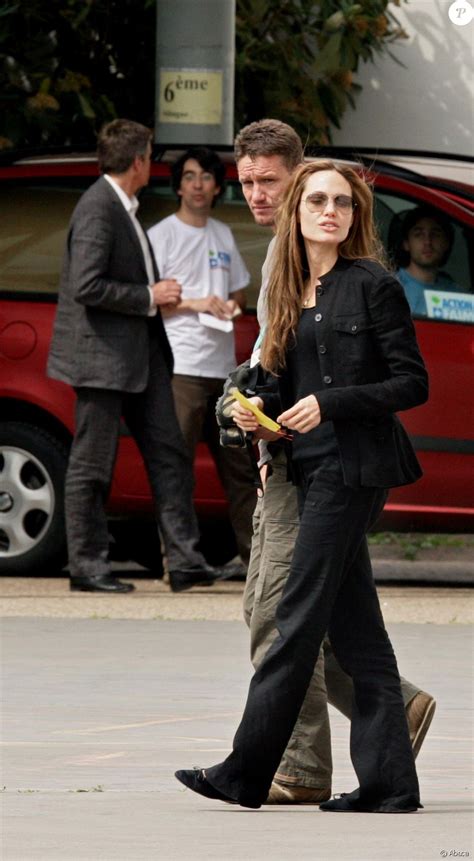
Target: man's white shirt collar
131	206
130	203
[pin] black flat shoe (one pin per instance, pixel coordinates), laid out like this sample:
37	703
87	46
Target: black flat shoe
106	583
340	803
182	580
349	803
195	779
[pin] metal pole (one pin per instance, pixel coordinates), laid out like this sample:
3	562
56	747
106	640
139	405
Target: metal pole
195	71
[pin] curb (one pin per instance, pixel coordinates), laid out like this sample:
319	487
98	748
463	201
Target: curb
451	573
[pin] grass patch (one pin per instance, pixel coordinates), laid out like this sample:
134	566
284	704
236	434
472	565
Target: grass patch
410	543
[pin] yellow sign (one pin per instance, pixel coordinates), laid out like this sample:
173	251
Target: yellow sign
191	96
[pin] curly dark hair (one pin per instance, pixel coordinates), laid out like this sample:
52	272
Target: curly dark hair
207	159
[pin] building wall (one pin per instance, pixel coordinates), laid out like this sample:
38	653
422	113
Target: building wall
428	102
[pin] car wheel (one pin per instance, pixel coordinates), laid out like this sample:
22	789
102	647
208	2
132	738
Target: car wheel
32	471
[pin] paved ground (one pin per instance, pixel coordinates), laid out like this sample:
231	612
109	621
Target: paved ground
27	596
98	713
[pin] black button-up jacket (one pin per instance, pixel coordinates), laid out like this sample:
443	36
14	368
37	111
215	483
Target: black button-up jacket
371	368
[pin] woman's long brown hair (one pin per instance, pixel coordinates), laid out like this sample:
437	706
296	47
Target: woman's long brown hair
290	267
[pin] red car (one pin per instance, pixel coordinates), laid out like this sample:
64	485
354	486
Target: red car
36	413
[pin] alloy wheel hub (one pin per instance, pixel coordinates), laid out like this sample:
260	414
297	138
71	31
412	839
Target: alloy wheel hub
6	502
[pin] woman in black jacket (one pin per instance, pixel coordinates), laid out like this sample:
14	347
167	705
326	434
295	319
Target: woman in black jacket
341	342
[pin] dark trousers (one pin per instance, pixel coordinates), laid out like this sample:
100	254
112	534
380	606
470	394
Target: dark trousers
151	419
329	588
195	401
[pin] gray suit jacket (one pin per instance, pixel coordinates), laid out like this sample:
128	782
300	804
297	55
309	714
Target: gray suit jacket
102	329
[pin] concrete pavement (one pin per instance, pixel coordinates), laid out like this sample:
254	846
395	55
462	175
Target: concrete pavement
51	597
98	713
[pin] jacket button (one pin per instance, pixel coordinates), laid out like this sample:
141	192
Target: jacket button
323	349
354	328
318	318
319	291
327	379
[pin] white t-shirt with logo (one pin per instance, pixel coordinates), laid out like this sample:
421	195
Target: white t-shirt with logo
206	262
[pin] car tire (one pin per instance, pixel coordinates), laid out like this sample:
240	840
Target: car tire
32	471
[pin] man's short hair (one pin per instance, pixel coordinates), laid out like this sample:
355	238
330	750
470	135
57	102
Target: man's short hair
411	219
269	137
207	159
119	143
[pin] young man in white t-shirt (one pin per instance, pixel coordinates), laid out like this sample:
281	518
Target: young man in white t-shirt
200	253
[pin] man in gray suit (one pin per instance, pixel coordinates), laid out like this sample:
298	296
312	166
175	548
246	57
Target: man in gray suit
109	343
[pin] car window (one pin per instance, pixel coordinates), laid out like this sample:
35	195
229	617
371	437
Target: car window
445	299
159	200
33	235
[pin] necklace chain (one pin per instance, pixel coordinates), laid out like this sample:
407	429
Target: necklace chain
312	289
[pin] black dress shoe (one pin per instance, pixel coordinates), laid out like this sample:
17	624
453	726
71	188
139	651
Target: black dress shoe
105	583
182	580
195	779
235	571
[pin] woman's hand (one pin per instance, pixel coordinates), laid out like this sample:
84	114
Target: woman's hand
245	419
304	416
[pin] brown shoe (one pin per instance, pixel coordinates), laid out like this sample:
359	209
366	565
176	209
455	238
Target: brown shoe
419	713
281	793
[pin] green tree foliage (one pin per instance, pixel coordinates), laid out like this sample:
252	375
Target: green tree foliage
295	59
66	66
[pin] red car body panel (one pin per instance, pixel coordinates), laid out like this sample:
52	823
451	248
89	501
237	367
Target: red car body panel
24	381
443	496
441	429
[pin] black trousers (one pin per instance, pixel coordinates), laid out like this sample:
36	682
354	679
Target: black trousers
151	418
329	588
